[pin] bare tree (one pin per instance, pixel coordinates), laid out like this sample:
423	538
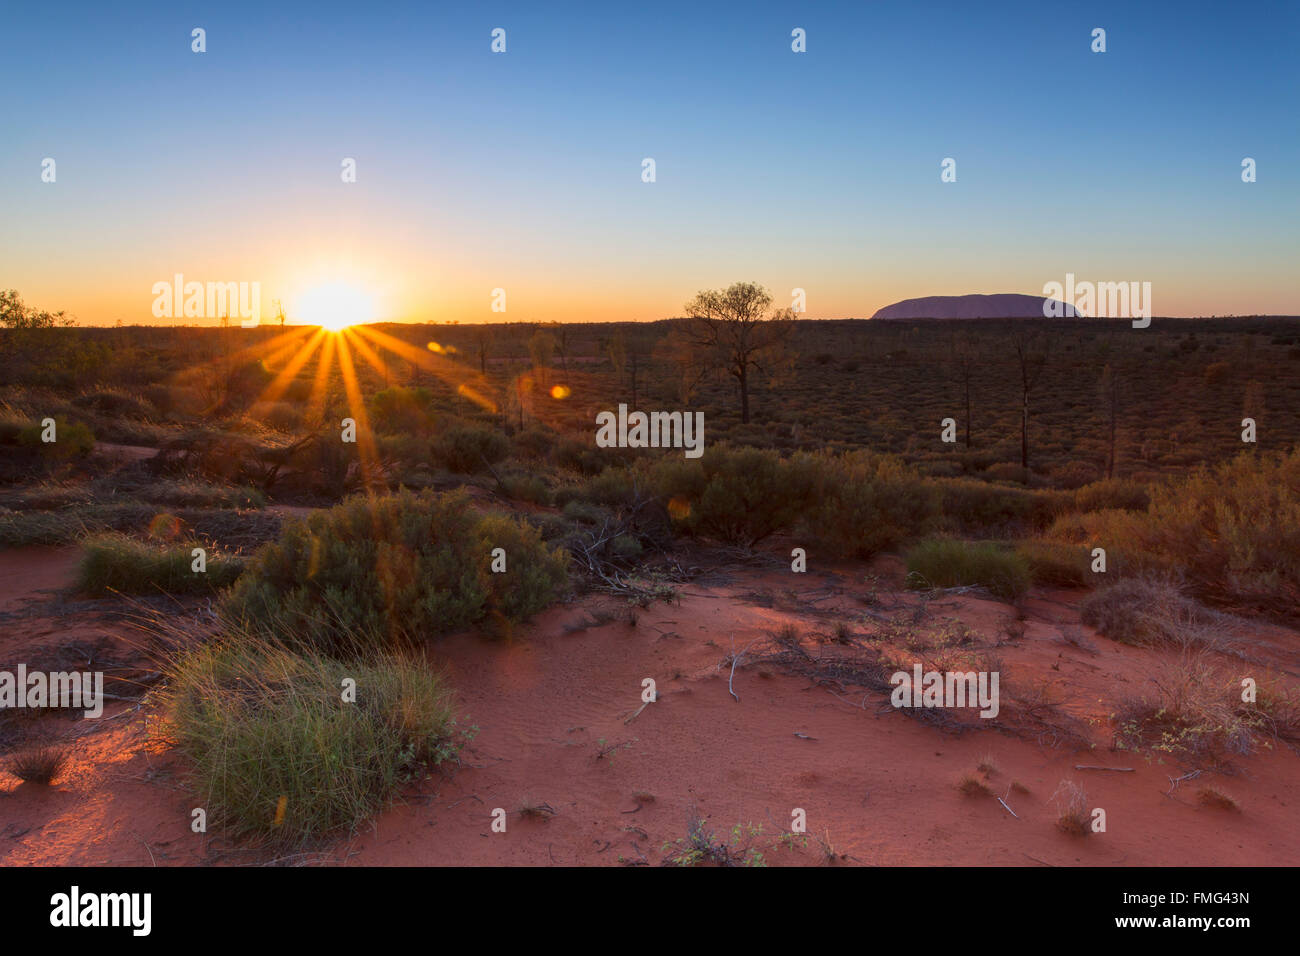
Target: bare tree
541	346
483	338
1032	351
965	356
729	332
1109	391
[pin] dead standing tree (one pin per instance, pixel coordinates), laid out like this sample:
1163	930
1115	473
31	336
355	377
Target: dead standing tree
1031	350
965	357
729	331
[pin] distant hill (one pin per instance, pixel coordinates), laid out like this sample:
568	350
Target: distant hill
1010	305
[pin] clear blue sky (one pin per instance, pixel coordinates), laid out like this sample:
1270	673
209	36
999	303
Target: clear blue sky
522	171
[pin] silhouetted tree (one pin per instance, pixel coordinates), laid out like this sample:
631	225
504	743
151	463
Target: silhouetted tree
730	332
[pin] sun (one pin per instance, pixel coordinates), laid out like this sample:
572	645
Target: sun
336	305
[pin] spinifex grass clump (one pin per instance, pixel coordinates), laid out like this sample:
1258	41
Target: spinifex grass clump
280	752
397	567
115	562
944	563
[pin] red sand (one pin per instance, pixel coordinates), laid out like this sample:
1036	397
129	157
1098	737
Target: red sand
878	787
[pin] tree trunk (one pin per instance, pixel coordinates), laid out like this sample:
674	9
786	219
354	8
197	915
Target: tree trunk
968	414
1024	435
744	396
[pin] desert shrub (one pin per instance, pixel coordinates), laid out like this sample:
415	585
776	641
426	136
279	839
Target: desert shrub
1234	530
533	443
525	487
174	399
410	451
584	512
1073	816
1193	712
115	562
947	562
1216	373
615	487
1007	471
1155	610
402	411
40	764
1112	493
71	440
284	416
972	507
195	493
736	495
582	457
862	503
64	525
395	568
1056	563
112	401
1075	474
468	449
279	755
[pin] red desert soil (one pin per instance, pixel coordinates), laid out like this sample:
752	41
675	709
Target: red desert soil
877	784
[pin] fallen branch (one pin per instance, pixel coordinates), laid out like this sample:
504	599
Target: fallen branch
1007	808
1081	766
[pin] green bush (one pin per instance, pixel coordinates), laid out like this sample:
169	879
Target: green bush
525	487
735	495
973	507
582	457
115	562
1112	493
469	449
71	440
947	562
865	503
393	569
402	411
279	755
1057	563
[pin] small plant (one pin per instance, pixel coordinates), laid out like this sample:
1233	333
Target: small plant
1212	796
1072	806
40	765
536	810
701	846
988	766
973	786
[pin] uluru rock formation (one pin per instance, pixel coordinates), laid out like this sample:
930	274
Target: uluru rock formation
1010	305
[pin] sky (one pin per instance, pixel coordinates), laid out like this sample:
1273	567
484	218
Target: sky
523	171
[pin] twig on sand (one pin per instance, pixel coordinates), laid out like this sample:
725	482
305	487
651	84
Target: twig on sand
1084	766
1007	808
735	658
637	712
1037	860
1175	781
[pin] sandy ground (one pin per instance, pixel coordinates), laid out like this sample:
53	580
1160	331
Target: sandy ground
561	725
